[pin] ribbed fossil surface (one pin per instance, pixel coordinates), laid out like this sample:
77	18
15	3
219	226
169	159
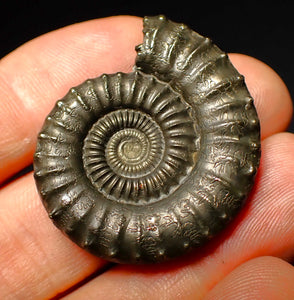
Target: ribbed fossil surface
145	166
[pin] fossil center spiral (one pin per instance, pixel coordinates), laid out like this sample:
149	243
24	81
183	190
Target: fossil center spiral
133	152
129	156
133	148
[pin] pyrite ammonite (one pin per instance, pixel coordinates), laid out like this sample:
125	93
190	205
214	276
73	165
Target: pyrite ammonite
145	166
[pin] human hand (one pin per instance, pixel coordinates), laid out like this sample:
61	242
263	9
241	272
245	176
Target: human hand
248	260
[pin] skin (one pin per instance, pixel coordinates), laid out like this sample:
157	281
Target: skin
249	260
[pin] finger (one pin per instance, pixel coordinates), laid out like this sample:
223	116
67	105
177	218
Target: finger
40	72
259	278
271	96
34	76
264	227
37	261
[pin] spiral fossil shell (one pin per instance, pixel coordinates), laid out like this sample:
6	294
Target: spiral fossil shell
142	167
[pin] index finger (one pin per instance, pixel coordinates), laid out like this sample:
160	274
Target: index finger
37	74
40	72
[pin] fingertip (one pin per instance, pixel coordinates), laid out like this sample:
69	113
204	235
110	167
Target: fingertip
271	96
260	278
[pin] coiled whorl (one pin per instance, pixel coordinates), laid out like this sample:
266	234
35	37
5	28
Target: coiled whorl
145	166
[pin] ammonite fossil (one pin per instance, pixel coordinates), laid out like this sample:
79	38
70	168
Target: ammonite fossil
145	166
